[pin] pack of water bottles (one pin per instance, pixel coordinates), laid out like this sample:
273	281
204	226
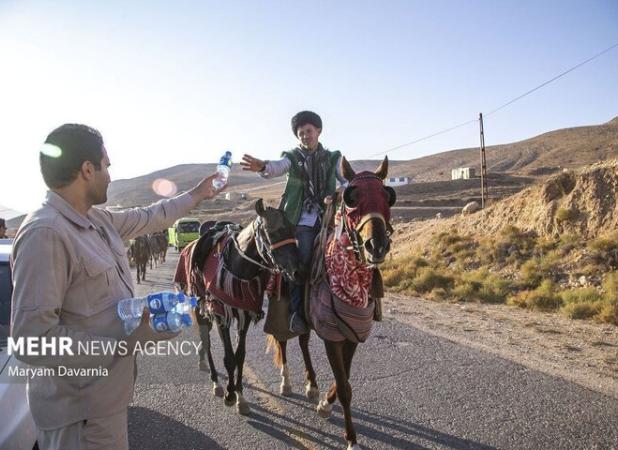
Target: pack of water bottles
169	311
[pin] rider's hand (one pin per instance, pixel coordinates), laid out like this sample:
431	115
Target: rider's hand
252	164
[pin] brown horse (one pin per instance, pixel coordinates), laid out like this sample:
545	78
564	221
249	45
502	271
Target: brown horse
361	239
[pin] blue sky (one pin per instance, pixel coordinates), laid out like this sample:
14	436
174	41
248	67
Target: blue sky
179	82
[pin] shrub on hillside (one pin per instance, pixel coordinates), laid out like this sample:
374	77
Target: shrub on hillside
581	303
605	250
609	311
543	298
481	285
513	245
566	215
398	273
429	279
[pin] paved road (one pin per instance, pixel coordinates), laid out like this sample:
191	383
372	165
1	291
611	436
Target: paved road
412	390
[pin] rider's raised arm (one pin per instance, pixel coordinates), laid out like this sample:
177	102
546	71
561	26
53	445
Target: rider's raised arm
276	168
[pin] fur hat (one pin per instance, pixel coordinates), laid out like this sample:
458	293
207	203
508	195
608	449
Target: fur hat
303	118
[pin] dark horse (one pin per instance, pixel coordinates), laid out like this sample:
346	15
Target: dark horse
363	230
230	276
140	253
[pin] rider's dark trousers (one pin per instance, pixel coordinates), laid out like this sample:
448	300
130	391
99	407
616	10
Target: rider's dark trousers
305	236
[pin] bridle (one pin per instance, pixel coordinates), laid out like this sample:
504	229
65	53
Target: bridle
264	247
353	230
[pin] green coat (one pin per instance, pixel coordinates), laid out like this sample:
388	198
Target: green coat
293	196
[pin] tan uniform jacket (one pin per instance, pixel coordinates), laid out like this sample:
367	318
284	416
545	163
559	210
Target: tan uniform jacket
69	272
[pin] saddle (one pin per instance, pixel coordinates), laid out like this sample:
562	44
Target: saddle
223	291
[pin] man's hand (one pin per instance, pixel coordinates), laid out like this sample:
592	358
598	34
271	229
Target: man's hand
205	190
143	333
252	164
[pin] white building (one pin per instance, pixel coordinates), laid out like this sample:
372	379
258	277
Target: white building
397	181
462	173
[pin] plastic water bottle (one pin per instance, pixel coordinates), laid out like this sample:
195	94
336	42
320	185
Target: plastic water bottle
223	170
182	306
159	302
170	322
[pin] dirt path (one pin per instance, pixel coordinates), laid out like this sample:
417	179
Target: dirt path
582	352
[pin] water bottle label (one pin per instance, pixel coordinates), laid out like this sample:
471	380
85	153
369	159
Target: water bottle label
159	323
155	304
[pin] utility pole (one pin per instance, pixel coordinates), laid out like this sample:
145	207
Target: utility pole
484	192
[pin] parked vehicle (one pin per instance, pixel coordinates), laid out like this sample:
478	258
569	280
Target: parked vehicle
17	429
183	231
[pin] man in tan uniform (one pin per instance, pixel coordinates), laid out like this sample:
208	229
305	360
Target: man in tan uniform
69	271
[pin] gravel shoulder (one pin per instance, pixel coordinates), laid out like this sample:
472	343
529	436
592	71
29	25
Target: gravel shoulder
585	353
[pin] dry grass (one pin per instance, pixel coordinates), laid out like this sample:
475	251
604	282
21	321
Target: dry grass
543	298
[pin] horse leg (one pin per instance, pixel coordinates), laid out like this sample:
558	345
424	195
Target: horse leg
241	404
338	354
311	387
137	269
229	362
285	388
205	325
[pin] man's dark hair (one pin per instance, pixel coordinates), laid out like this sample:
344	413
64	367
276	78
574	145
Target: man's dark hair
76	143
2	223
303	118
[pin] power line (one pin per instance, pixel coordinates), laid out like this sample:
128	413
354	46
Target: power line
553	79
500	107
424	138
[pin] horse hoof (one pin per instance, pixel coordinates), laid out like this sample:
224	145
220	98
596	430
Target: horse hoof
324	409
312	392
229	401
285	389
203	366
217	390
354	447
243	408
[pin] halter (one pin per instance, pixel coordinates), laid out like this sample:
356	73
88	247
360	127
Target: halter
354	233
264	247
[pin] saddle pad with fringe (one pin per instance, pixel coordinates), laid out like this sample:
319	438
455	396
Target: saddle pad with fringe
228	291
336	320
350	280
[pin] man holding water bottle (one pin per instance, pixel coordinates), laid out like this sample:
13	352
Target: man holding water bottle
312	173
70	270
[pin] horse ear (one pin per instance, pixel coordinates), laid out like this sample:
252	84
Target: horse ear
259	207
383	169
346	169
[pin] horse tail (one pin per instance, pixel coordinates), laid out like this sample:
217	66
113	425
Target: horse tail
272	343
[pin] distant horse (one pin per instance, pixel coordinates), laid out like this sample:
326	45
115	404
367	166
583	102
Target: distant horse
346	285
230	276
140	253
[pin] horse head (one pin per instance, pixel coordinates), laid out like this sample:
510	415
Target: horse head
275	239
366	211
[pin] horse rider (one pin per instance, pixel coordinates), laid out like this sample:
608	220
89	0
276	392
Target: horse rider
70	270
312	174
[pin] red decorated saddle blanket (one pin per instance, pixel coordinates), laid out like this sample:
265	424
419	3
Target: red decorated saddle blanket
350	280
221	289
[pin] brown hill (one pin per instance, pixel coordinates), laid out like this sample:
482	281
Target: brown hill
522	161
